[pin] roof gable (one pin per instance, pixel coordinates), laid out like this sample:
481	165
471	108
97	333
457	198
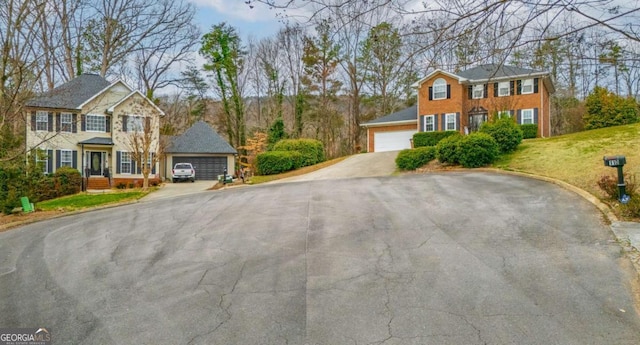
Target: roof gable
200	138
434	73
72	94
113	107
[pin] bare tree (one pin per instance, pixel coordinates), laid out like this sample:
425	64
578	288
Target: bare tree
144	143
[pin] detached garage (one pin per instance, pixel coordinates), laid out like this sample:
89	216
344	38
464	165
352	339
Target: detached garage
205	149
392	132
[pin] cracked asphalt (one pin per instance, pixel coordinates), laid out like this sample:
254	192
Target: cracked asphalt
453	258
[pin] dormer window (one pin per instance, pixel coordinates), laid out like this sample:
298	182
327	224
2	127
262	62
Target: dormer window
439	89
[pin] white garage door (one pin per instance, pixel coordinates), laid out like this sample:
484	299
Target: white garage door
392	141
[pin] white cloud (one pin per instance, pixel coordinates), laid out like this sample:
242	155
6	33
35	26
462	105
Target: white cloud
238	9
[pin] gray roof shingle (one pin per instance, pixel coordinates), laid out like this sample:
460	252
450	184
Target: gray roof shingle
200	138
493	71
407	114
72	94
97	141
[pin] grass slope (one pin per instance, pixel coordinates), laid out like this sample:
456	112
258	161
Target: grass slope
84	200
577	158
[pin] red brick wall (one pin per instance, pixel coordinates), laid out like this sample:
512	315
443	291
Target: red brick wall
372	130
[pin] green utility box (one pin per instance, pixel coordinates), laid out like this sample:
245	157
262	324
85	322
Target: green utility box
26	205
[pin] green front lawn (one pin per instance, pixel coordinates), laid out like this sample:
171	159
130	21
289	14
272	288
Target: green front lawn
86	200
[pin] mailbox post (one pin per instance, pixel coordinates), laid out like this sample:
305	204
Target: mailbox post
618	162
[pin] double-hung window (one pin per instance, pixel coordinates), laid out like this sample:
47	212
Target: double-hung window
42	121
42	159
135	123
439	89
66	122
429	123
450	120
125	162
526	86
96	123
504	88
66	158
526	116
504	113
478	91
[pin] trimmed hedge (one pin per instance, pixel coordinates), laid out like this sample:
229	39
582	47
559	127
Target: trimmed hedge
477	150
506	133
312	150
529	131
422	139
411	159
276	162
447	149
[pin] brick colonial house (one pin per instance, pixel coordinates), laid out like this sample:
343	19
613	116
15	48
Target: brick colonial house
463	101
86	124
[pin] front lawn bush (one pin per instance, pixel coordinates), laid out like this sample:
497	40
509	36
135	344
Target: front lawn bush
447	149
506	133
312	150
68	181
276	162
422	139
529	131
411	159
477	150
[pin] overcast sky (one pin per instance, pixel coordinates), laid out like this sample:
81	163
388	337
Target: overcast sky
259	21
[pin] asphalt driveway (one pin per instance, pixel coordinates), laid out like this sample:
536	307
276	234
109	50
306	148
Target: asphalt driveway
455	258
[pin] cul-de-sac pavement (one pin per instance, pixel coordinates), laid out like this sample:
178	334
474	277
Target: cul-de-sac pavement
437	258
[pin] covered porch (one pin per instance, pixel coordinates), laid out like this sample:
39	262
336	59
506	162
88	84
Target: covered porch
96	162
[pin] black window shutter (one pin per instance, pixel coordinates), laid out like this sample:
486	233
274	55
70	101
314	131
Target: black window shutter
535	115
486	91
495	89
74	159
50	124
511	113
58	159
108	123
535	85
83	122
57	122
49	161
470	90
457	121
74	123
422	121
519	87
443	117
136	166
435	122
153	165
512	86
118	162
124	123
147	124
448	91
33	120
430	93
519	117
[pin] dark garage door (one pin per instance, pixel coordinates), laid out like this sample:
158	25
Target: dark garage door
207	168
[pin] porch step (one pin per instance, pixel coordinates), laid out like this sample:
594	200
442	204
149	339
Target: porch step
98	183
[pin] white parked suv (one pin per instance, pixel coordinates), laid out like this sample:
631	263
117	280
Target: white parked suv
183	171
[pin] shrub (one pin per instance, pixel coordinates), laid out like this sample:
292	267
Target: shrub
506	133
412	159
477	149
422	139
312	150
275	162
121	185
447	149
68	181
632	208
529	131
609	185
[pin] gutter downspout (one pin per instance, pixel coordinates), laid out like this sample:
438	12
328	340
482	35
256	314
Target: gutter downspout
84	187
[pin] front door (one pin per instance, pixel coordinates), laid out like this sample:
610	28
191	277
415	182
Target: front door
96	163
476	120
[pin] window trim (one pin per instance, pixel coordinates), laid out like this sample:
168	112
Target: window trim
477	87
446	121
104	123
522	117
526	82
45	160
506	113
69	123
437	84
433	123
128	161
130	123
62	161
501	87
39	115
